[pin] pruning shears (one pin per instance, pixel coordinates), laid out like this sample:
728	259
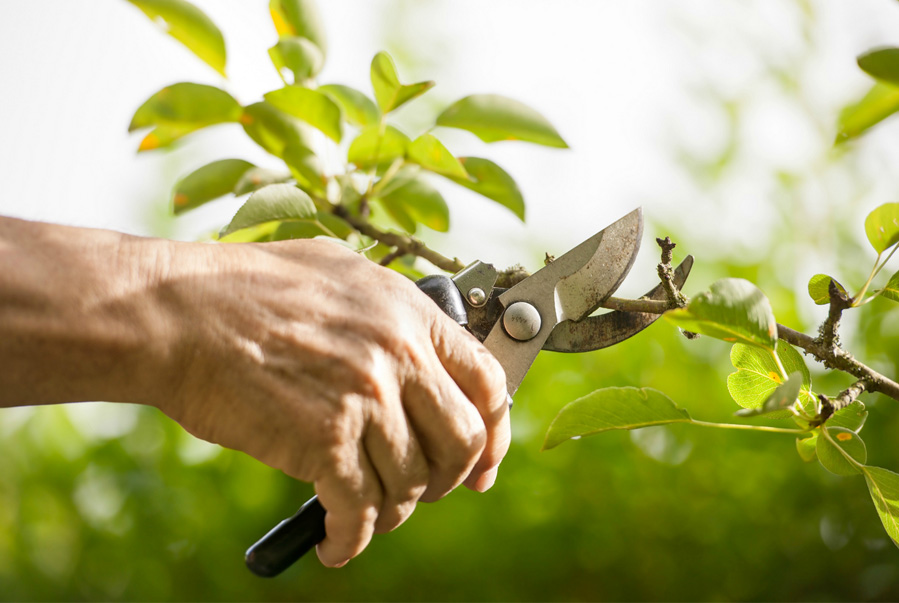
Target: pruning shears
549	310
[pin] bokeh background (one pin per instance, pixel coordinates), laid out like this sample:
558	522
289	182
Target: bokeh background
718	116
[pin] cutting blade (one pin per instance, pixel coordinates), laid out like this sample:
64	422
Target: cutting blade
568	288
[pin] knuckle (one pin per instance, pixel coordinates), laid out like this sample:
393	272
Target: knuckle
413	489
462	452
491	378
393	517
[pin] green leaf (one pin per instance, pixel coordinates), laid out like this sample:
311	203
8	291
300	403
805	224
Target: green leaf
891	290
254	234
299	18
835	461
613	408
256	178
374	149
757	375
850	417
491	117
488	179
180	109
322	225
882	227
884	488
881	101
357	108
164	136
273	130
210	182
190	26
734	310
306	168
412	201
298	55
819	288
806	447
882	64
429	153
274	202
313	107
389	92
778	403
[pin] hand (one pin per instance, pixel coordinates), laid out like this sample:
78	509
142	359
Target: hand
337	371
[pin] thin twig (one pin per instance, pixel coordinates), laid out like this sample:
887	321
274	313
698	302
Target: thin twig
828	332
846	397
402	243
390	257
648	306
666	273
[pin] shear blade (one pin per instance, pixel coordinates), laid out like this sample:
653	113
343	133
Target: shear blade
568	288
597	332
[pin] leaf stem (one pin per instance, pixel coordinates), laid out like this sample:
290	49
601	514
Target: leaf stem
780	366
325	229
858	296
749	427
883	263
387	177
845	454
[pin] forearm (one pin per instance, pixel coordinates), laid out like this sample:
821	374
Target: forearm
80	315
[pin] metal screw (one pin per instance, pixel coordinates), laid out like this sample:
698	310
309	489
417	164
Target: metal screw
522	321
477	297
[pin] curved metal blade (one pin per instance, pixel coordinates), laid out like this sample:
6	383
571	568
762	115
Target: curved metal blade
568	288
597	332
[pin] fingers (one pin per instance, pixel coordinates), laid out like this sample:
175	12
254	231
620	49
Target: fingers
483	381
400	464
352	496
449	429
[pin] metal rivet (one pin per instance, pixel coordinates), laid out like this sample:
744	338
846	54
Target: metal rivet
522	321
477	297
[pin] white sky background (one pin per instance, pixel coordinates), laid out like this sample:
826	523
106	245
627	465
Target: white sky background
624	82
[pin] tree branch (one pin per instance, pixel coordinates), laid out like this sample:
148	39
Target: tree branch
828	332
835	357
648	306
846	397
832	356
403	244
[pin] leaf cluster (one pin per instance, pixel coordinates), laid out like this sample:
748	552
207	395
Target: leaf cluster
385	182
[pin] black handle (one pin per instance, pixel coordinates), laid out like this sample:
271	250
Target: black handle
288	541
294	537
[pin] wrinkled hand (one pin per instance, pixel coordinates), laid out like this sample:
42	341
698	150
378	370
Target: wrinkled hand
337	371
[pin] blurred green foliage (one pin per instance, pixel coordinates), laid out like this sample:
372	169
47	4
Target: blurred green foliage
119	503
674	513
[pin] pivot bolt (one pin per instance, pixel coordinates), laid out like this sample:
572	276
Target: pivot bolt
477	297
522	321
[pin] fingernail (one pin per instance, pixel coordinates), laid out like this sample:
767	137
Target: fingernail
342	563
509	400
486	481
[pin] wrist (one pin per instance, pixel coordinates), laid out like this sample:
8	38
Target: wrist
82	315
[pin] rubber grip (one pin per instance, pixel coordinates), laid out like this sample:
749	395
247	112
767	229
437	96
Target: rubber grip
288	541
294	537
